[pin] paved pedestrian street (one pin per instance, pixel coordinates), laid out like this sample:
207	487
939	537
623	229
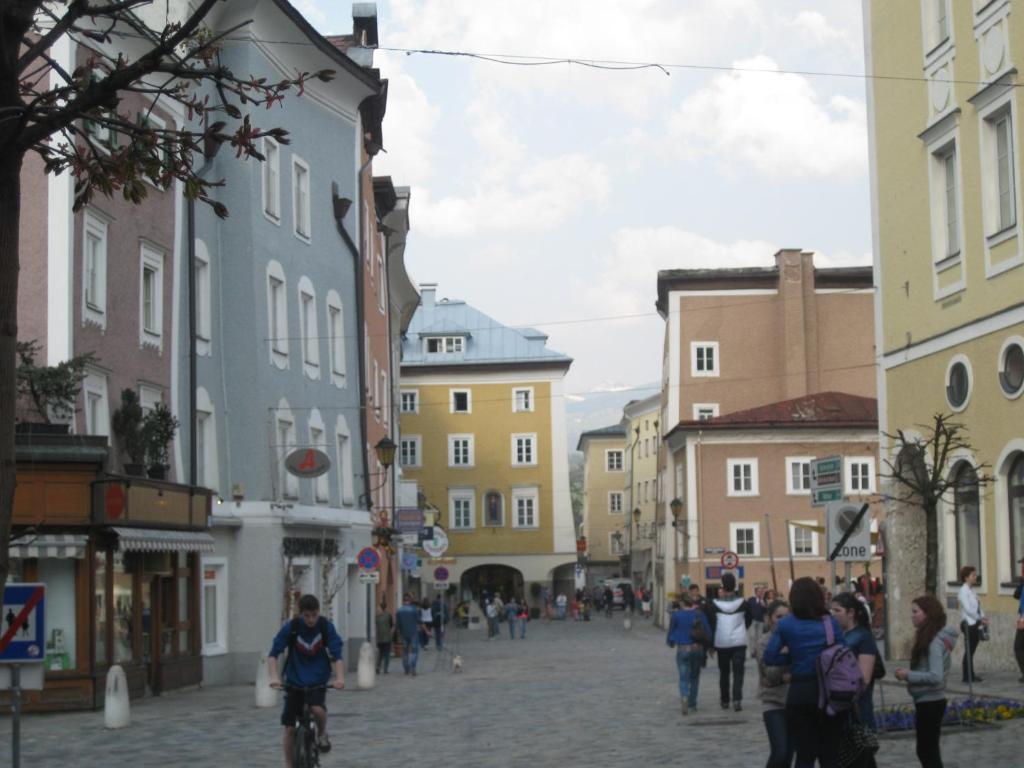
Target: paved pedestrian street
571	694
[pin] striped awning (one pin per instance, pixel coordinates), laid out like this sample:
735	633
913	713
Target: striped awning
68	545
157	540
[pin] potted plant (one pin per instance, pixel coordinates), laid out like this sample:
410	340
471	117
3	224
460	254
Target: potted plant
158	429
49	391
127	425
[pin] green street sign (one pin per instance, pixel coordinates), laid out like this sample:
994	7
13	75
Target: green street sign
820	498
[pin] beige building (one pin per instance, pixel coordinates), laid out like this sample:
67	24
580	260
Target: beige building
740	339
604	506
642	490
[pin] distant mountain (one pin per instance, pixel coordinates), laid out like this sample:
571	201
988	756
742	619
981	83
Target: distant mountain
600	408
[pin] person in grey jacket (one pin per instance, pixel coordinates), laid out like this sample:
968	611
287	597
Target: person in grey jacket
930	661
773	686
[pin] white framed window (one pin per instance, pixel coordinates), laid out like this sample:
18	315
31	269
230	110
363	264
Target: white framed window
271	180
745	538
860	474
741	477
803	542
524	450
385	388
410	451
94	269
343	443
460	451
277	314
288	483
318	440
204	305
103	137
97	404
160	151
151	296
704	358
336	337
615	502
613	460
460	401
308	329
382	289
461	516
410	401
449	345
616	544
959	380
525	513
149	398
938	27
300	199
705	411
1011	367
215	606
946	204
206	441
522	399
798	475
376	390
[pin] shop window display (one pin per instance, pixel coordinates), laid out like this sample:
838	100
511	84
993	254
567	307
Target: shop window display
59	577
123	614
100	597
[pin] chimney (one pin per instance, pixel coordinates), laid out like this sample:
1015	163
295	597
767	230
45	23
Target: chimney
799	321
428	295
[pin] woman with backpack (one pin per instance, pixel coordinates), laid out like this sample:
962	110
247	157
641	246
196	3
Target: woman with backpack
814	731
926	679
772	690
690	634
855	622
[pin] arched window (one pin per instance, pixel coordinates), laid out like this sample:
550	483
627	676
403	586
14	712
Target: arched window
968	516
1015	496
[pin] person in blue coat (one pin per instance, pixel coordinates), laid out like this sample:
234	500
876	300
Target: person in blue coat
314	648
690	649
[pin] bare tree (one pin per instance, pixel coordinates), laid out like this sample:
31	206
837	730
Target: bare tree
921	477
64	114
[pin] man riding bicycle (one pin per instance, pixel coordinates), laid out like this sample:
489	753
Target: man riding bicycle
313	646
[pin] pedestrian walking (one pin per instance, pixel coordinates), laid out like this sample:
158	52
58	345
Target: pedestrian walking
441	617
930	660
645	603
757	607
689	633
426	623
523	616
385	629
974	621
772	689
407	620
511	612
560	603
1018	639
814	733
491	612
609	601
698	598
730	620
852	616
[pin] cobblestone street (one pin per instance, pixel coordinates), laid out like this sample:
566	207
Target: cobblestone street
569	695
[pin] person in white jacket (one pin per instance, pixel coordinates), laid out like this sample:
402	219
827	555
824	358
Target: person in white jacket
973	619
730	619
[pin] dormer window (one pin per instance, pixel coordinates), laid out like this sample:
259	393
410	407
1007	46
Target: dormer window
446	344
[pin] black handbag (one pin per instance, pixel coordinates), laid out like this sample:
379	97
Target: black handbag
857	743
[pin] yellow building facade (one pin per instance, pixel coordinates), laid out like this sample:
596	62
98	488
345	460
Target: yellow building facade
484	437
949	250
605	510
643	489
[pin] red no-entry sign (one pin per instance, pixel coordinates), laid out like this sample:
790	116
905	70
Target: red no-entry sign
730	560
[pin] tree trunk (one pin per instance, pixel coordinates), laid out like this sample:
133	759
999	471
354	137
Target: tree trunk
10	212
931	571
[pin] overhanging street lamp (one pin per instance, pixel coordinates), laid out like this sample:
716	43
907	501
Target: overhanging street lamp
385	449
678	521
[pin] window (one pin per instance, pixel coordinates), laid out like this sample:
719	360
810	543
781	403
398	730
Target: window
206	442
967	511
494	509
460	509
613	461
522	399
742	477
798	475
445	344
860	475
1005	170
344	461
460	450
336	341
277	314
103	137
524	450
215	607
705	411
381	287
94	269
97	409
460	401
958	383
941	21
945	202
203	304
410	401
308	329
300	199
1015	497
616	545
385	388
151	296
1011	368
289	484
804	541
409	453
159	151
745	538
149	397
524	504
272	180
703	358
321	492
615	502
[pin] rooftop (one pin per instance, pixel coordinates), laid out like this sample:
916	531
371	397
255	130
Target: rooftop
614	430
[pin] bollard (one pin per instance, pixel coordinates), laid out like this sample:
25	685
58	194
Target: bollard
265	695
627	622
366	672
115	703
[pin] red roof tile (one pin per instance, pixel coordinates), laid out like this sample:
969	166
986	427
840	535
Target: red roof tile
824	409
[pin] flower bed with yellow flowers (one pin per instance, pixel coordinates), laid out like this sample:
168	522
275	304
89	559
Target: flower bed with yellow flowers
958	712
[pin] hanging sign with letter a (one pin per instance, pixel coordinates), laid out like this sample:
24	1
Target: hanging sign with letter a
307	462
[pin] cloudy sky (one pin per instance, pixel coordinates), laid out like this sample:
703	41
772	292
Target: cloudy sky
552	195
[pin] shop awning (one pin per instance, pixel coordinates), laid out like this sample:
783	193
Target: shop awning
68	545
157	540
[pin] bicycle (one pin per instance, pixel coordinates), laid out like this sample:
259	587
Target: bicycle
305	752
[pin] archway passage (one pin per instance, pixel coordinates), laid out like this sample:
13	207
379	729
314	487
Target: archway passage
502	579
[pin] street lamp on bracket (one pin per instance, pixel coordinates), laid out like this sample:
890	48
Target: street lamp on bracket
678	521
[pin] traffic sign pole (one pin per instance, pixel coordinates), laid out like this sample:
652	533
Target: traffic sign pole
16	715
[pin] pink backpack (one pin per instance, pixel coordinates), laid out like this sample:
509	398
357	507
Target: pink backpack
840	681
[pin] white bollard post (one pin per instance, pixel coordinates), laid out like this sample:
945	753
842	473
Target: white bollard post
627	621
366	672
265	695
115	704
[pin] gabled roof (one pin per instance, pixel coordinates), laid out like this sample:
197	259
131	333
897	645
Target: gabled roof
821	410
615	430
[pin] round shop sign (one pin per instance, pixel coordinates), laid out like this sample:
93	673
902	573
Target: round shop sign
307	462
440	573
730	560
438	545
